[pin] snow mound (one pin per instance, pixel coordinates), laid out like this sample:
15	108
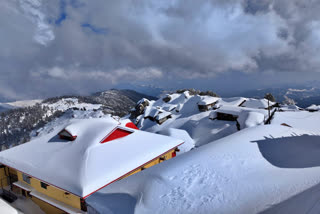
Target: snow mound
207	100
313	107
257	103
251	171
180	134
250	119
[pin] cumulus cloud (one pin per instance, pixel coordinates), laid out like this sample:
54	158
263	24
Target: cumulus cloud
98	44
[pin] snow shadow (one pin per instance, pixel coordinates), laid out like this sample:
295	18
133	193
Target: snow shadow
57	139
304	202
115	203
291	152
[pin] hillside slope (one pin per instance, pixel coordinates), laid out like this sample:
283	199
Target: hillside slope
17	124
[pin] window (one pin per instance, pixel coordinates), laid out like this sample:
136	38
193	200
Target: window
26	178
64	134
44	185
118	133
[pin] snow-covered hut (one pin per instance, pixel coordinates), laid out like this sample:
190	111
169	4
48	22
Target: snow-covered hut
207	102
60	169
162	117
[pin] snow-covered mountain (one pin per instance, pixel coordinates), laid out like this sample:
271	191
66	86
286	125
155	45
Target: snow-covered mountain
18	104
27	117
303	96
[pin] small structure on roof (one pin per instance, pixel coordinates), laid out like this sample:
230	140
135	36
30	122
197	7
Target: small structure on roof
207	102
162	117
59	170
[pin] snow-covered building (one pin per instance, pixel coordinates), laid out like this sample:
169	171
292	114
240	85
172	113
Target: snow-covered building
313	108
207	102
60	169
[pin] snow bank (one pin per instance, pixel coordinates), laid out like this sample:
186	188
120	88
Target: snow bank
250	171
180	134
302	120
6	208
250	119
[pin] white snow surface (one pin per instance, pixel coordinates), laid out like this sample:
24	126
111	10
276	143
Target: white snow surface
314	107
264	169
163	115
233	101
300	119
207	100
180	134
257	103
84	165
289	108
19	104
67	103
6	208
187	117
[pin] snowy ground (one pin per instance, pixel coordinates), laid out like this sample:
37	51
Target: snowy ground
21	206
259	169
300	119
265	168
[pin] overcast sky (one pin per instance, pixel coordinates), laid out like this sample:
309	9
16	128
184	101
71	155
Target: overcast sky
56	47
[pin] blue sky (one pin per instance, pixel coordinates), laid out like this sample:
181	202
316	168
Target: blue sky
51	48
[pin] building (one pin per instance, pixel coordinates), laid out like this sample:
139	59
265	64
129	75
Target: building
62	168
207	102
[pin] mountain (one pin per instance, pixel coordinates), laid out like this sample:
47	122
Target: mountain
144	89
302	96
24	118
17	104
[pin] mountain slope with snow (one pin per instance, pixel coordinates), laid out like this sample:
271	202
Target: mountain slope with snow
29	116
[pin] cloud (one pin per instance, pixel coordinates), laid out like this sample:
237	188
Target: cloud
98	44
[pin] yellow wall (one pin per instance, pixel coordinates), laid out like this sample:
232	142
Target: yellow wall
70	199
166	156
3	177
47	208
53	192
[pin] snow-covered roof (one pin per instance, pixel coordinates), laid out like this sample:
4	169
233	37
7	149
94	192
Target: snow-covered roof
289	107
207	100
233	101
313	107
152	112
142	101
239	110
84	165
163	115
257	103
266	168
